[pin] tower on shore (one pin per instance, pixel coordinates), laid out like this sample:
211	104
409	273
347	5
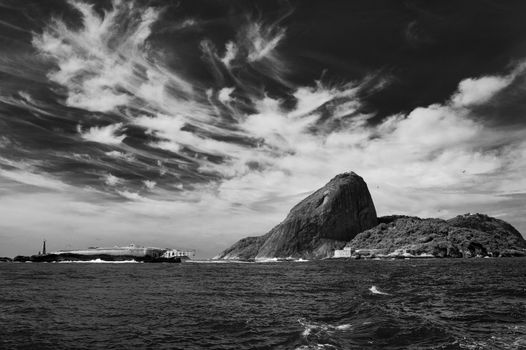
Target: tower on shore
44	247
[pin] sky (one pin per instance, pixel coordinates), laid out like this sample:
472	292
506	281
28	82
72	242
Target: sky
194	123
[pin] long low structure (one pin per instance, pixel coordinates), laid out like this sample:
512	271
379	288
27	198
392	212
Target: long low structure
349	252
132	250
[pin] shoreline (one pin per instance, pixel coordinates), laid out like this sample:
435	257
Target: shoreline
135	260
99	258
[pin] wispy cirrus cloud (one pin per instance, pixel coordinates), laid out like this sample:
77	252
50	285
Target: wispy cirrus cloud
107	63
231	52
26	177
27	173
261	40
255	41
93	74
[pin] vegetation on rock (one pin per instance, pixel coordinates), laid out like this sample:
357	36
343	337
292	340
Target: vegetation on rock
463	236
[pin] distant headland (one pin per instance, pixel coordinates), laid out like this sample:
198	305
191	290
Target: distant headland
339	221
130	253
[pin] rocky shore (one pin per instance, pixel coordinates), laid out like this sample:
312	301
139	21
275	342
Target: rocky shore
50	258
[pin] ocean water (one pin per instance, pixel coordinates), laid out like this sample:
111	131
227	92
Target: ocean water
402	304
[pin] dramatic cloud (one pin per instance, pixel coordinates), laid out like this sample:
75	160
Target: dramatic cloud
220	141
92	73
107	62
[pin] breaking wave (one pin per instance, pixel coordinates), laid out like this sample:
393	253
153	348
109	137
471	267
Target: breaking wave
375	290
315	328
100	261
217	262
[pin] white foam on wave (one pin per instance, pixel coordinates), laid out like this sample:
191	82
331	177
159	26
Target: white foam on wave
324	327
316	347
279	260
267	260
234	261
375	290
99	261
307	330
217	261
344	327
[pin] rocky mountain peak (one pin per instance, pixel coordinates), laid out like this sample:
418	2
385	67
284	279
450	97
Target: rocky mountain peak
324	220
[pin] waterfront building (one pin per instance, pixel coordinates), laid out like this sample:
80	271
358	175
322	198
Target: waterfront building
172	253
343	253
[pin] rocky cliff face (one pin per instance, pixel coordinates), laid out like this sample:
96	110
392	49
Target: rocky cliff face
320	223
244	249
463	236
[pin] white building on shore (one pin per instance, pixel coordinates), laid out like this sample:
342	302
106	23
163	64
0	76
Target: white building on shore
173	253
342	253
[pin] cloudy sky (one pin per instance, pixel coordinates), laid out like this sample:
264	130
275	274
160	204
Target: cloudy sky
194	123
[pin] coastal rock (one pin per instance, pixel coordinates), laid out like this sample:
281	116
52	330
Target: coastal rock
320	223
21	258
463	236
244	249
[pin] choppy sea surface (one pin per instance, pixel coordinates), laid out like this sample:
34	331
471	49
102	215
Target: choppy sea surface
402	304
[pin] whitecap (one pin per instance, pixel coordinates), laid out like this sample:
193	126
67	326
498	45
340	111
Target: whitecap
344	327
267	260
99	261
323	327
375	290
307	330
316	347
217	261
